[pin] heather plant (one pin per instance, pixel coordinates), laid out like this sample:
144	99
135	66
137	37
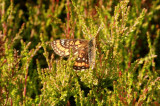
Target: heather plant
127	46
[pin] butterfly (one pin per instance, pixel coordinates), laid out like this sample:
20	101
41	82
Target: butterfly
83	49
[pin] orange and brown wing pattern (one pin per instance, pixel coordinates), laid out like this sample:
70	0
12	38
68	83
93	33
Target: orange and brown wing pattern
79	47
63	47
82	61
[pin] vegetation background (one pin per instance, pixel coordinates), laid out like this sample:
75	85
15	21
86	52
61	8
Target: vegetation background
127	70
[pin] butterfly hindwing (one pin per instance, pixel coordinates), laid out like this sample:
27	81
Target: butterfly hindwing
82	61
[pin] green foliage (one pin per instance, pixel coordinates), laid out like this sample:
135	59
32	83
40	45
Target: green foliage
127	59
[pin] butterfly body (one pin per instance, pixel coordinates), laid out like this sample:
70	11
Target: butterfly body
83	49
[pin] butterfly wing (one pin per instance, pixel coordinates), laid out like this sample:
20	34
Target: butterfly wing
92	52
63	47
82	61
83	48
86	56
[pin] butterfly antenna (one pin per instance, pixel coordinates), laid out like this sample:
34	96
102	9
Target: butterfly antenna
100	27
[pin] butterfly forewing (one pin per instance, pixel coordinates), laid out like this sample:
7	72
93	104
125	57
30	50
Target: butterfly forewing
63	47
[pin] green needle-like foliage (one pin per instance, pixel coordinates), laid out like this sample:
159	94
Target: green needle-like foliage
127	62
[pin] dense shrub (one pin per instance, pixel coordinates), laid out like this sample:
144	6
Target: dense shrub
127	52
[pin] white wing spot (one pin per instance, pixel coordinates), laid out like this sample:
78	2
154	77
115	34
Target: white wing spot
75	53
62	42
83	59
